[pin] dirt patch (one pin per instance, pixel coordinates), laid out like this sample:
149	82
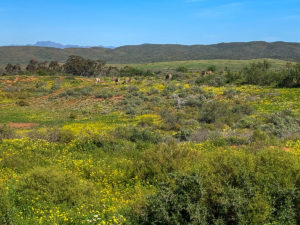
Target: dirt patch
29	79
286	149
12	81
22	125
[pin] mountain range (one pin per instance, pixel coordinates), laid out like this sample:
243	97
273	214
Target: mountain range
147	53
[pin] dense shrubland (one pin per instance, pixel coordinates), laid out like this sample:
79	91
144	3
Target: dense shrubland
216	149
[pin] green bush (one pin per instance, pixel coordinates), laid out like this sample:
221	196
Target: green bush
194	102
214	111
53	135
52	185
128	71
6	132
282	124
86	91
212	68
229	187
136	134
290	78
104	93
182	69
77	92
212	80
177	202
172	120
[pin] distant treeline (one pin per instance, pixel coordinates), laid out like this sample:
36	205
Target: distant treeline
75	65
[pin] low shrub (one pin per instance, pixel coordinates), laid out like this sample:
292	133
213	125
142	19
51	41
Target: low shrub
6	132
282	124
172	120
104	93
136	134
53	135
182	69
22	103
230	93
53	185
229	187
214	111
177	202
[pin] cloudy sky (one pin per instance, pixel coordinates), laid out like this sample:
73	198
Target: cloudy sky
125	22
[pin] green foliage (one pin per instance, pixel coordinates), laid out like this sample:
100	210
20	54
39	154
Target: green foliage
128	71
290	78
212	68
6	132
182	69
150	151
214	111
135	134
53	135
177	202
104	93
52	186
155	164
172	119
77	92
260	74
157	53
77	65
228	188
282	124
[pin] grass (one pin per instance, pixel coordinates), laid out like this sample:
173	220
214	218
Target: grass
234	65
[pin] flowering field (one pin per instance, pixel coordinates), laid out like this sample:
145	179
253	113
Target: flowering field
152	151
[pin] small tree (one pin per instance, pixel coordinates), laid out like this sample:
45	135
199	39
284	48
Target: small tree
13	69
32	66
9	68
54	66
77	65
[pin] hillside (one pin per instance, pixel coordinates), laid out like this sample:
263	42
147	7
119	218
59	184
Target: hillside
73	151
148	53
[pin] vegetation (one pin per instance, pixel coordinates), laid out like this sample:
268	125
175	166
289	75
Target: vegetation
221	148
149	53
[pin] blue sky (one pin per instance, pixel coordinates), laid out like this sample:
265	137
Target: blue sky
125	22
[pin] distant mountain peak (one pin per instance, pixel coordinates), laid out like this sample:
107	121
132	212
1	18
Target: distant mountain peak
51	44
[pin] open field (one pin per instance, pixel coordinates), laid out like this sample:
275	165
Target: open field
203	64
152	151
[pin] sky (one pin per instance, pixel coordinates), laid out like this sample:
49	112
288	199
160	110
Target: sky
131	22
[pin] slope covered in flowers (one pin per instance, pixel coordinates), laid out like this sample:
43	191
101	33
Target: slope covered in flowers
152	151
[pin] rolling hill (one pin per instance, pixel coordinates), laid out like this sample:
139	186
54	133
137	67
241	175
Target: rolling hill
148	53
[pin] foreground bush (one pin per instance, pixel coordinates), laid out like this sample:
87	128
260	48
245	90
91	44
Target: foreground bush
229	188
